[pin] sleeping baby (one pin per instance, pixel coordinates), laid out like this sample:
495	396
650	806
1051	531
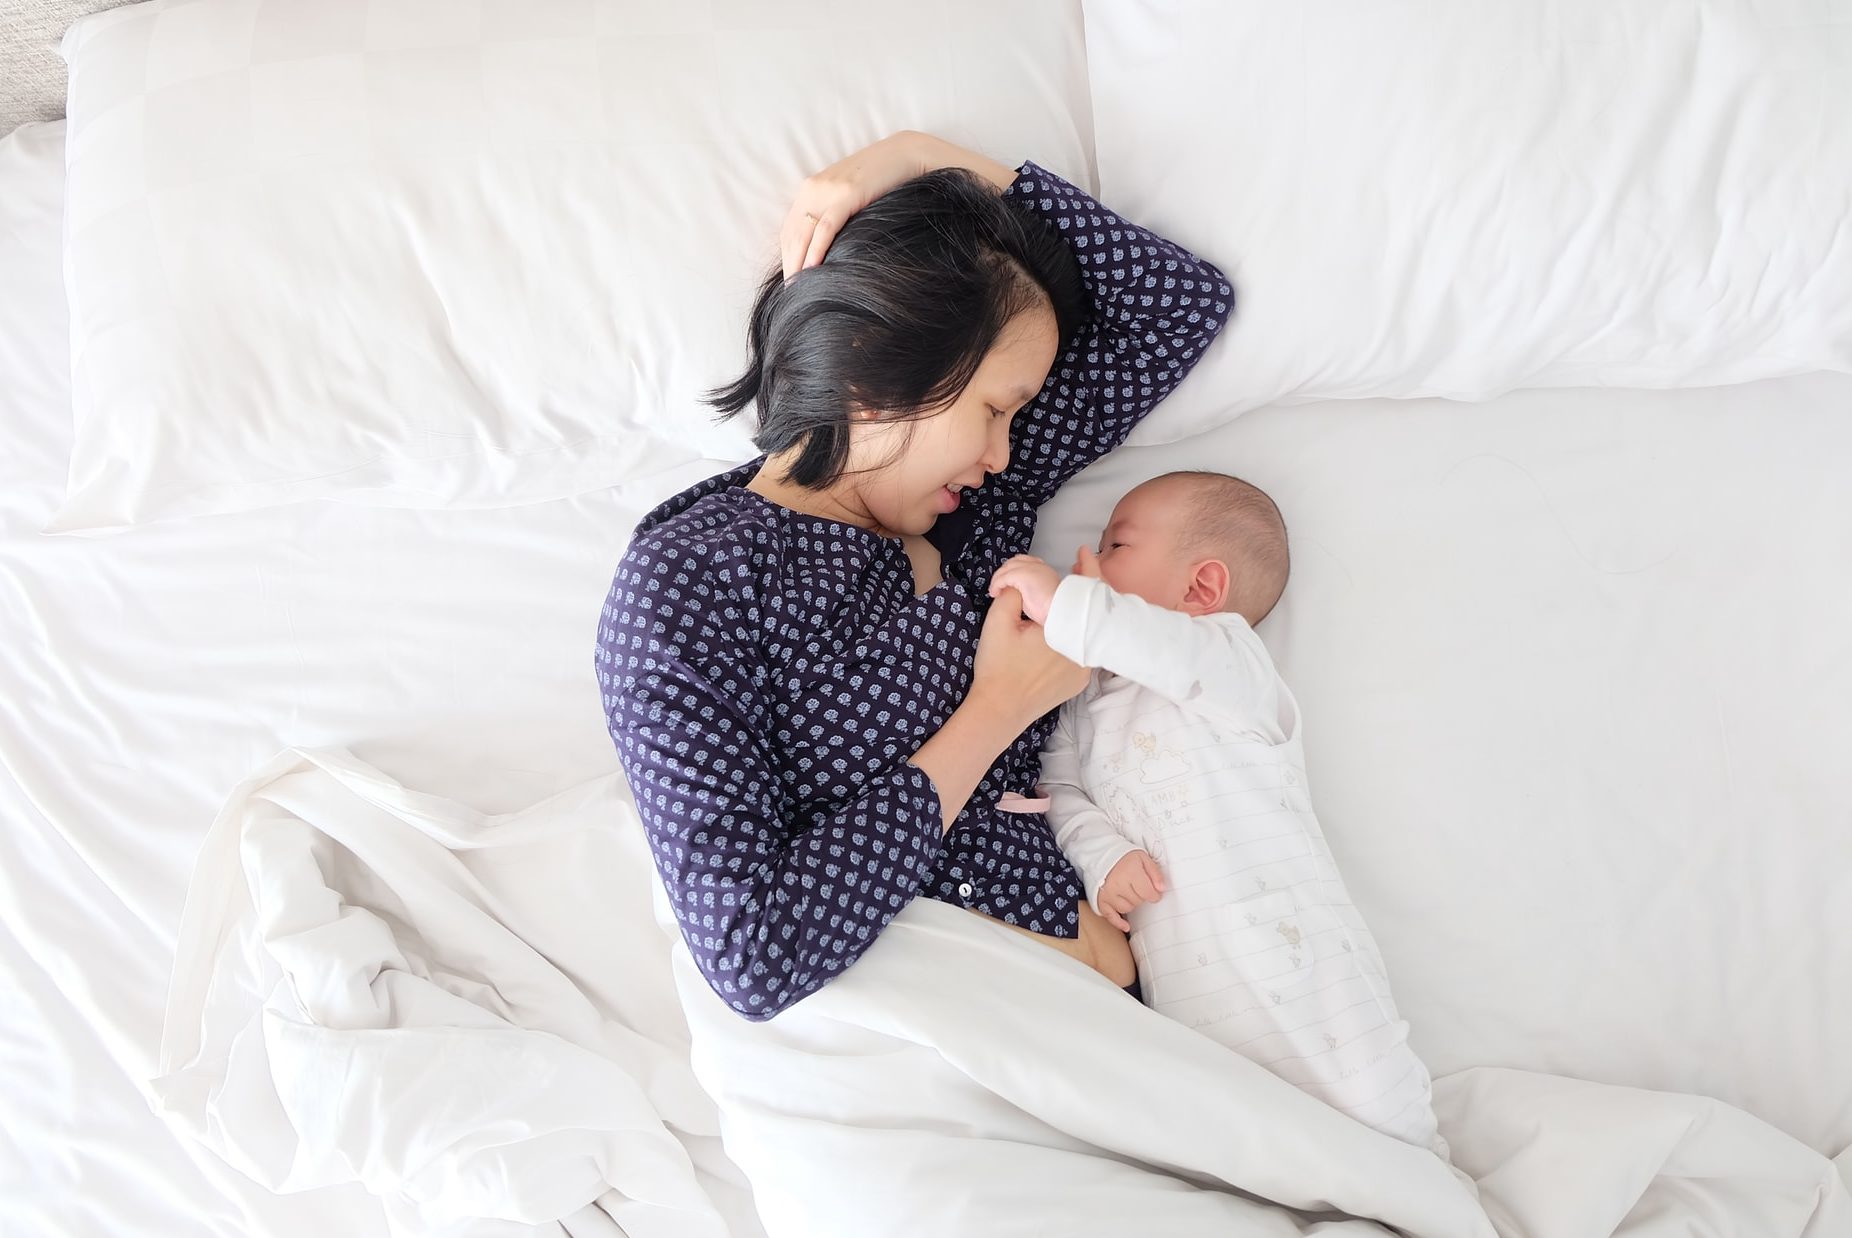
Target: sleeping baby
1177	788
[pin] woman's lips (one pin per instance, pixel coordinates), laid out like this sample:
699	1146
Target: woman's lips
948	499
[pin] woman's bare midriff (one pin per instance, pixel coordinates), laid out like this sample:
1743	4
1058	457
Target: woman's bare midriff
1099	945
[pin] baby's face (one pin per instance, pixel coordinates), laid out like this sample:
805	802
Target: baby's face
1138	551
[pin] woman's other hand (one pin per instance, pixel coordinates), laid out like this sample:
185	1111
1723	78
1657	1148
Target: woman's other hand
826	199
1015	669
1035	580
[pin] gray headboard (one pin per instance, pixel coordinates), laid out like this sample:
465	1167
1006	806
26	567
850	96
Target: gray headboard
31	74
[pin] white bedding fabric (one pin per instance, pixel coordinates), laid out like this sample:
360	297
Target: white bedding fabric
469	1013
143	677
1575	668
959	1079
1454	198
480	254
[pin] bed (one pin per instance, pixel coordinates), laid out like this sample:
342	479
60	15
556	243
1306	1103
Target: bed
1568	617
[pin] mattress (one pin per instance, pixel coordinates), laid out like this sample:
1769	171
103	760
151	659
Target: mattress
1574	667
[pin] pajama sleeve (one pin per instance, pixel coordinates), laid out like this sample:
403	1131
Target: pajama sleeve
1212	663
1086	835
773	898
1155	308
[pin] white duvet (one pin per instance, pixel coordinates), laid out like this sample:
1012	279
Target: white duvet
1578	661
466	1013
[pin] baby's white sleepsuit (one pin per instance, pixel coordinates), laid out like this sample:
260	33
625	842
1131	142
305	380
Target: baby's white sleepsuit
1188	744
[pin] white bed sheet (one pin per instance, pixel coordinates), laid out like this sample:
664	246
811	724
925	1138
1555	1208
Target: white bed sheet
1576	672
1575	668
142	676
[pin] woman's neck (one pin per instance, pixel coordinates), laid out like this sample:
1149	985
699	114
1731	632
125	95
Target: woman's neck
835	502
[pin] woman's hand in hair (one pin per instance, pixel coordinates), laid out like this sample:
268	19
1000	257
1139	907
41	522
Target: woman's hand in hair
1015	669
826	199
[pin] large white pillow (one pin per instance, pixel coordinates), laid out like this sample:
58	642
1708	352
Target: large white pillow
425	253
1457	198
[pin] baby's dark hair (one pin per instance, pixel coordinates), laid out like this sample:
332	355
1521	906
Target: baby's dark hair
1239	523
912	294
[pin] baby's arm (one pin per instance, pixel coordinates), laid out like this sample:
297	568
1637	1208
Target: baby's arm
1213	663
1085	834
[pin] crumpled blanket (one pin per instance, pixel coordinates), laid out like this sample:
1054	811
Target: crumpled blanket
484	1021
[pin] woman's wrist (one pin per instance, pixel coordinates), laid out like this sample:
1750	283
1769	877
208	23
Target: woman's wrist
935	152
998	711
962	751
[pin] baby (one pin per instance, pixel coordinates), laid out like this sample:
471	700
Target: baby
1178	790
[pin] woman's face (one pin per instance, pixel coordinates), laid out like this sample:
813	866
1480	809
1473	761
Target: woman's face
919	463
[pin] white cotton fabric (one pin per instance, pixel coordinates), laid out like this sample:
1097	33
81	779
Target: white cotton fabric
1577	663
1458	199
1187	745
463	1011
476	254
380	982
944	1085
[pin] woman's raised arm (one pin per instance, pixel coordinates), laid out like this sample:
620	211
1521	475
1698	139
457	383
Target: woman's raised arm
1156	307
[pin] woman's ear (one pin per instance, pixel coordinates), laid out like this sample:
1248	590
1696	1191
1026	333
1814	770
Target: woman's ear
1207	591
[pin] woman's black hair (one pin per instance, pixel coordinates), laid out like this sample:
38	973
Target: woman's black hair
898	316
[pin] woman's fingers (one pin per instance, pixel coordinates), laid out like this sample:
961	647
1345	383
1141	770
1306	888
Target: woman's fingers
821	234
794	238
814	219
826	199
1006	611
821	207
800	244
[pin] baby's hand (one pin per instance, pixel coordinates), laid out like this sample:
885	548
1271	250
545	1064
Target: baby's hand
1134	880
1032	578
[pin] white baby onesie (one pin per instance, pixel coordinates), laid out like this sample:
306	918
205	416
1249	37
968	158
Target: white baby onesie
1187	743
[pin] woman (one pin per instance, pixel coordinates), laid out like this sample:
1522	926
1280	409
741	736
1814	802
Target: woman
818	710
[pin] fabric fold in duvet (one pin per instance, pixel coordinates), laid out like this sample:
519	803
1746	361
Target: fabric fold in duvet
477	1018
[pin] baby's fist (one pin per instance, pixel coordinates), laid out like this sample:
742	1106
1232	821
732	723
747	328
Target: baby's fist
1032	578
1133	881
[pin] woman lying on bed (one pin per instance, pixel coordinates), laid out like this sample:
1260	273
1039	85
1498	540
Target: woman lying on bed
818	710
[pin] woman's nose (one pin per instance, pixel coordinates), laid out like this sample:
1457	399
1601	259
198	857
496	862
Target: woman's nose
997	451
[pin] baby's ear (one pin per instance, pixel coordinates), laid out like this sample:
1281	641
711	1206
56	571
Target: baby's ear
1209	589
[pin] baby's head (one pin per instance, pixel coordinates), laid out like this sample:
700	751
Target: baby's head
1201	543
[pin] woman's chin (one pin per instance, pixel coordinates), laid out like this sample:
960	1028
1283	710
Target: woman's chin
908	524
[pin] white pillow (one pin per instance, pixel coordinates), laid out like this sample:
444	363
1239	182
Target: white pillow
421	253
1457	198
